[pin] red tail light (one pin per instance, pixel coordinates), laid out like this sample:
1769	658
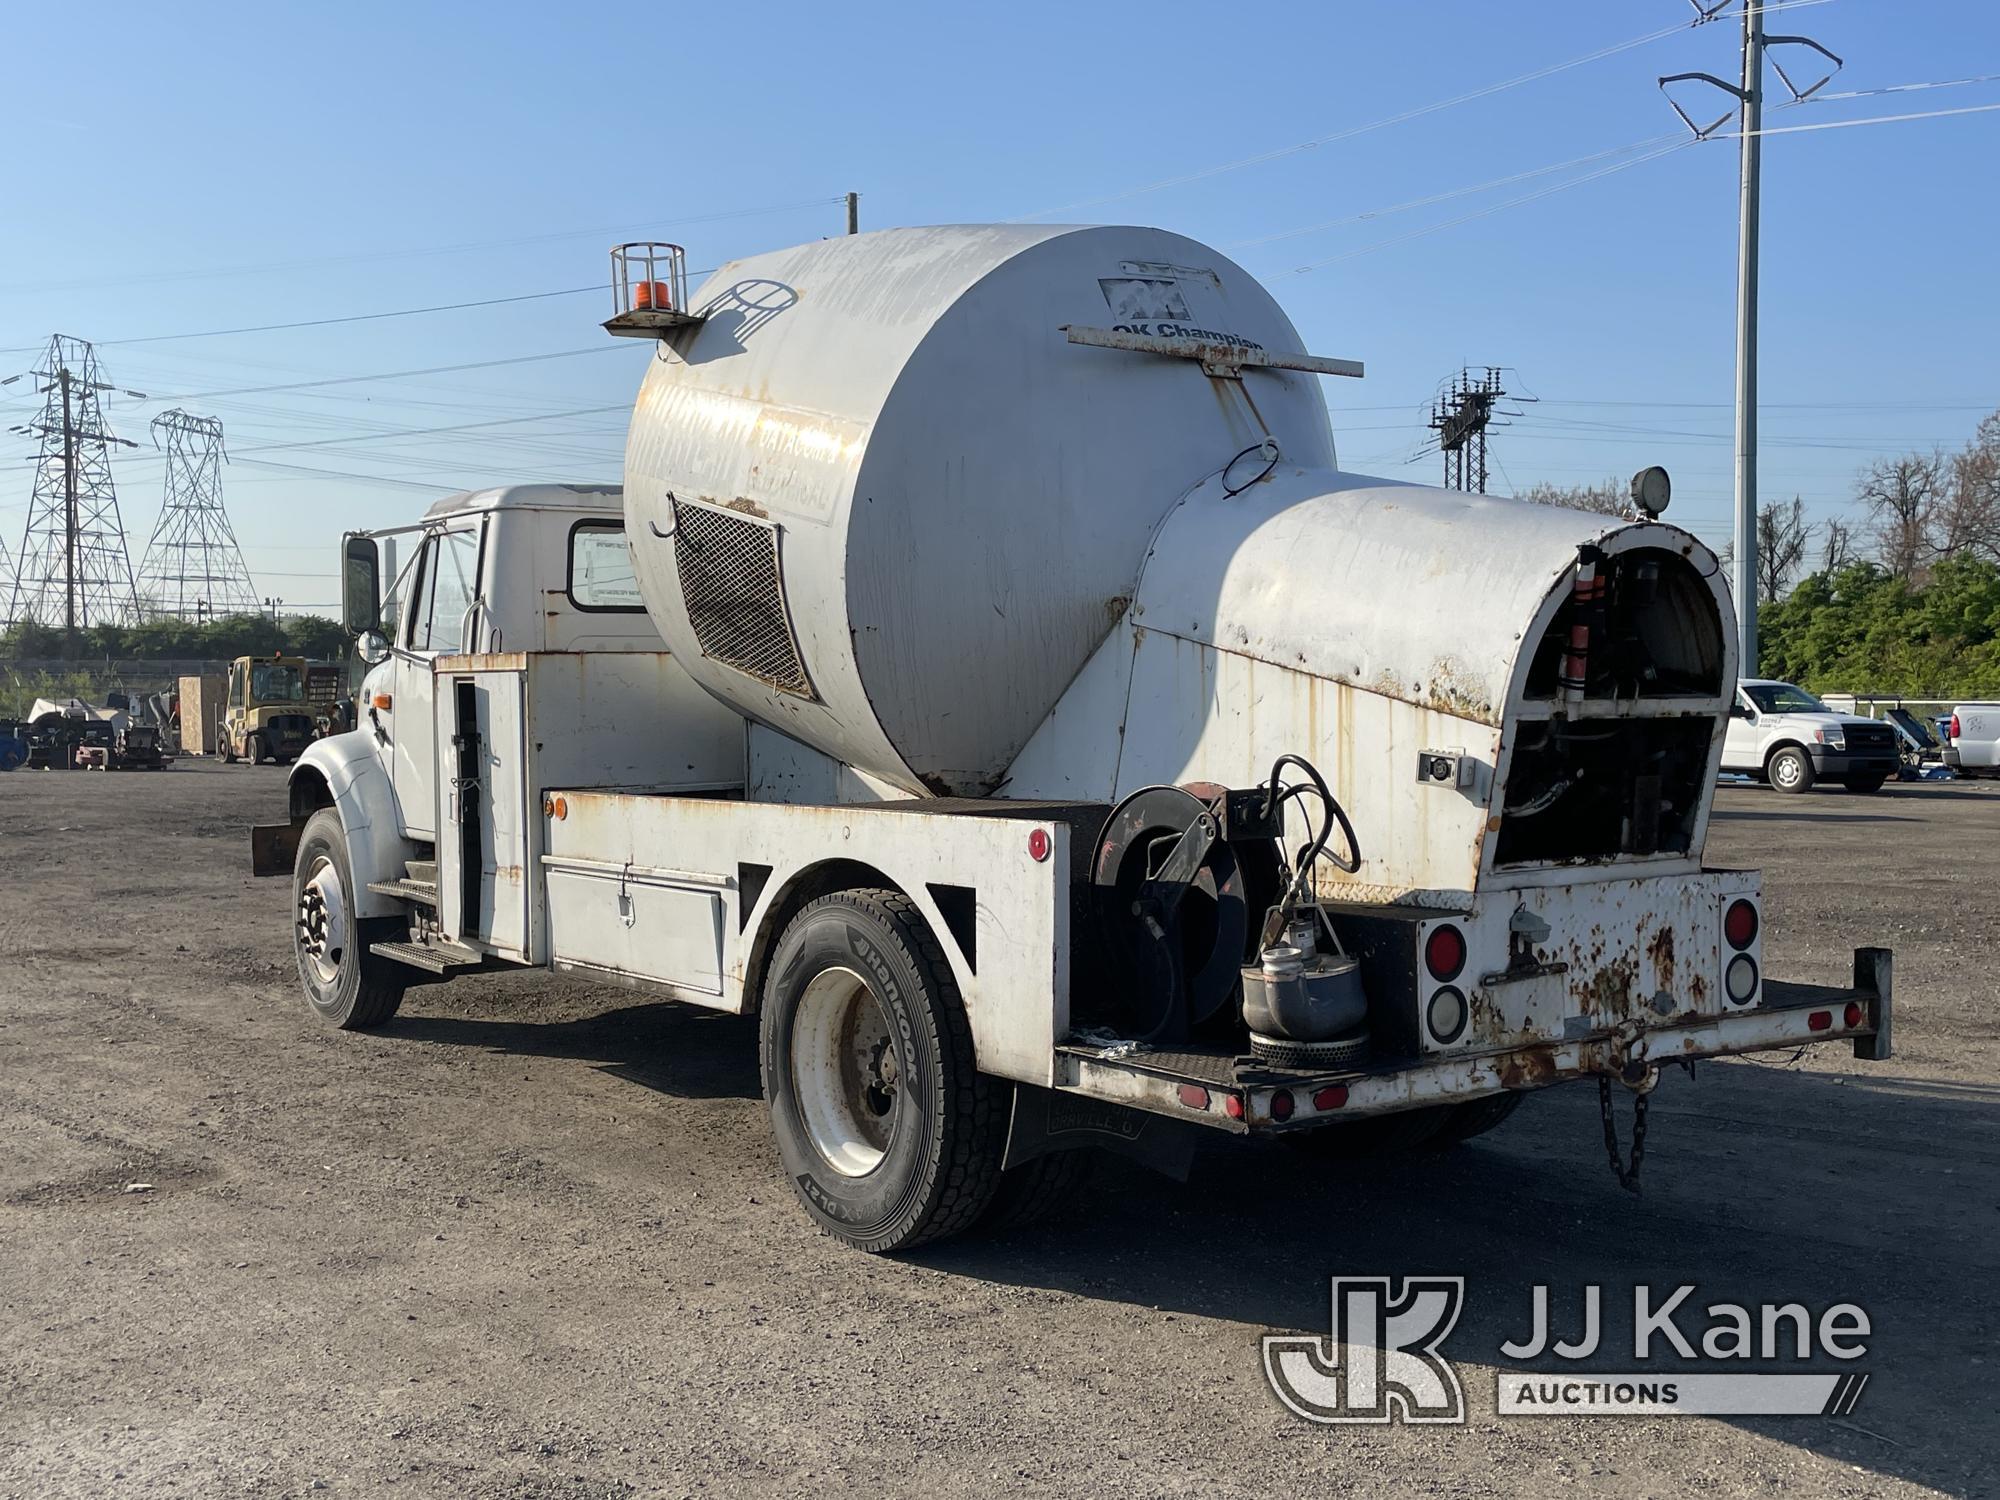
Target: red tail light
1819	1020
1739	924
1281	1105
1852	1015
1954	726
1444	952
1331	1097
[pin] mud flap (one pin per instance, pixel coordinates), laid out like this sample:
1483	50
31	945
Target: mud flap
1045	1120
274	847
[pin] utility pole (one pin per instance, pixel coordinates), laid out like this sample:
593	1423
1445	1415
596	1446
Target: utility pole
1749	171
854	213
1749	95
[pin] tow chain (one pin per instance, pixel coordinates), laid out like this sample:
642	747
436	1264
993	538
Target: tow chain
1628	1176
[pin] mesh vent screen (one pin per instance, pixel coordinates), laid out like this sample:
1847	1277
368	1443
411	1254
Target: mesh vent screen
728	570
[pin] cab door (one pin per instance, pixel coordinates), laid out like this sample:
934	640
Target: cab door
447	582
1741	742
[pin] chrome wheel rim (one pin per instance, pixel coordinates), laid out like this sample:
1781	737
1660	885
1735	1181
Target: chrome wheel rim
322	921
846	1074
1786	771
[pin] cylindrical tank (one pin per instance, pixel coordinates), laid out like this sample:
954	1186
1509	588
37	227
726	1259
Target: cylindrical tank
878	500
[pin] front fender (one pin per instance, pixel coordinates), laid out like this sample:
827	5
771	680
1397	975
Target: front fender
344	772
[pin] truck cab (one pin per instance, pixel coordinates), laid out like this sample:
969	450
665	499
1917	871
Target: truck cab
265	715
1782	734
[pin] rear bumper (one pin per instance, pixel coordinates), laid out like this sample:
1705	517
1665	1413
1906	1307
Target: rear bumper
1243	1097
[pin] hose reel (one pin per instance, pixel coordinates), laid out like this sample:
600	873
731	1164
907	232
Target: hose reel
1190	884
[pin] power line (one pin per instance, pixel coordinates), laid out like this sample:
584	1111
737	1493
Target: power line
1446	197
402	312
1396	119
1904	88
533	239
1490	209
481	364
1928	114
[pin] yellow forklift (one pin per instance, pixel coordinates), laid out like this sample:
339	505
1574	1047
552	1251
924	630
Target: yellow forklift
265	714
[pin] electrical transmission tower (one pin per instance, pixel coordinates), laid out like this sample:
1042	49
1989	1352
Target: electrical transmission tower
73	565
1460	416
193	567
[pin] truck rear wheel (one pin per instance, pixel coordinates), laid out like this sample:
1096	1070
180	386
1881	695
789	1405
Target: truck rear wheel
253	746
345	984
1475	1117
1374	1135
1791	770
887	1129
1036	1189
228	749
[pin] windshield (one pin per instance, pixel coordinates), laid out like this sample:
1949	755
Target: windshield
1783	698
270	683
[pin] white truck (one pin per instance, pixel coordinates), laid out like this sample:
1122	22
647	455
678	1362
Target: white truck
1784	735
989	677
1973	733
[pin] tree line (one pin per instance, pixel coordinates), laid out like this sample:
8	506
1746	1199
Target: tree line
172	639
1907	601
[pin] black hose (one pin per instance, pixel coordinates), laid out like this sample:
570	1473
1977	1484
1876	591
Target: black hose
1277	794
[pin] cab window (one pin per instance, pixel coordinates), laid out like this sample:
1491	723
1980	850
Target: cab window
448	582
600	569
272	683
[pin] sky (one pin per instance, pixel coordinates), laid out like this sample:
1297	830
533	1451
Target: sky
176	171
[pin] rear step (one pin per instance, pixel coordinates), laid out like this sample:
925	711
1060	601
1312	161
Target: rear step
435	958
423	893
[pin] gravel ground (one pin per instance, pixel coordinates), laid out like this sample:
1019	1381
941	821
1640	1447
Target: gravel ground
530	1240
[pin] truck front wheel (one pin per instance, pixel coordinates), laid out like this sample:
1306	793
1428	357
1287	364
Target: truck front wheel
1791	770
890	1134
345	984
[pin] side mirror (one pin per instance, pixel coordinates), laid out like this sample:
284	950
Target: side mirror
372	647
361	592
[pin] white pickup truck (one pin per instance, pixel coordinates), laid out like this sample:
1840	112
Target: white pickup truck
1974	732
1784	735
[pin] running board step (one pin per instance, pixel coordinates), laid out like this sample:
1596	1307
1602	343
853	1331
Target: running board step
436	958
424	893
423	871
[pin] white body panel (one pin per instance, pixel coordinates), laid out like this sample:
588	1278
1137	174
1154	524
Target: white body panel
552	720
650	888
1410	632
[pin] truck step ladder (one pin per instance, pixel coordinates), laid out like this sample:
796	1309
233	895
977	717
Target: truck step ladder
434	958
421	892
